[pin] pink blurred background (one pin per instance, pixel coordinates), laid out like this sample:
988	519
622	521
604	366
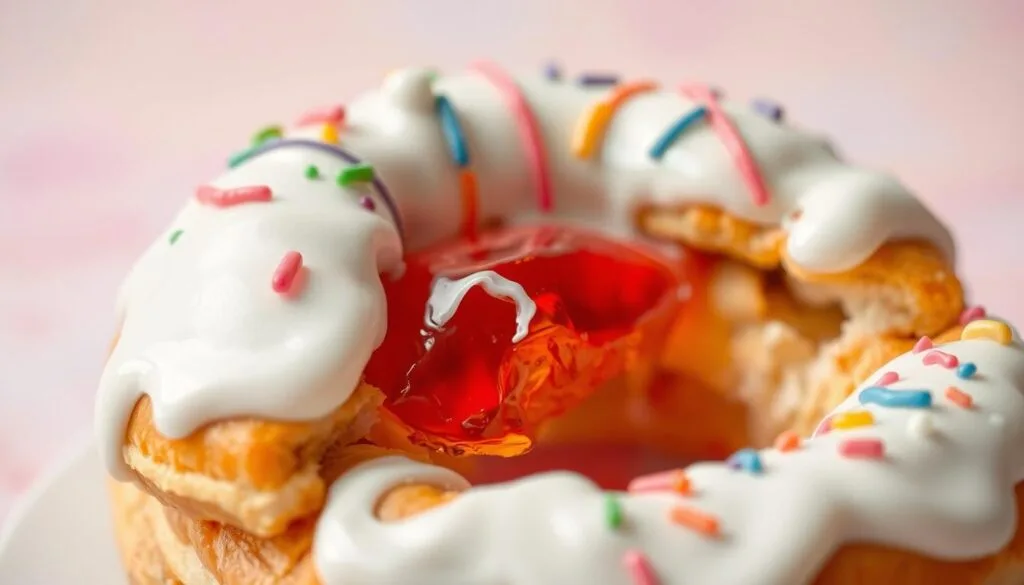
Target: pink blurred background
111	111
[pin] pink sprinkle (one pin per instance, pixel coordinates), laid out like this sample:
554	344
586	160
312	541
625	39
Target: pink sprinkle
287	270
674	480
923	344
333	115
887	378
972	314
824	427
367	203
210	195
937	356
639	568
862	448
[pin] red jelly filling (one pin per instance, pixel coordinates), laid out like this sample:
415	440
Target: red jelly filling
602	309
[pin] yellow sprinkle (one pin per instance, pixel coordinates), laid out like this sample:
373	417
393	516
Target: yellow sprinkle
988	329
852	420
329	134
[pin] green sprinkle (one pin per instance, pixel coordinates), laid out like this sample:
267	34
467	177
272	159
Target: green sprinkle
175	235
612	511
355	174
240	157
312	172
268	133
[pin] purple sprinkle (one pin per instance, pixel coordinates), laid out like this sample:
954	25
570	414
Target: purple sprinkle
768	109
598	79
552	71
367	202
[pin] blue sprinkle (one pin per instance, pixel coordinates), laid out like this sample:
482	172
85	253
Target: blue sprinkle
552	72
746	459
598	79
896	398
768	109
966	370
665	141
452	131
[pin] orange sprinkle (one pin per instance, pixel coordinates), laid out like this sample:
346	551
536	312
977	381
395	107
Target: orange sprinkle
695	520
959	397
787	441
592	124
852	419
470	202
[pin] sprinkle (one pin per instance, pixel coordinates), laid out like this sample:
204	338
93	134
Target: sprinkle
268	133
333	115
368	203
452	130
598	79
664	142
733	142
852	420
920	424
959	397
210	195
240	157
748	460
312	172
552	71
824	427
972	314
939	357
887	378
612	511
923	344
329	134
768	109
529	132
895	398
988	329
966	370
174	236
695	520
862	449
672	481
787	441
591	126
470	202
287	270
639	568
360	173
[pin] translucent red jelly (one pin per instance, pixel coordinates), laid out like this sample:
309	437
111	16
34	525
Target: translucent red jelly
603	308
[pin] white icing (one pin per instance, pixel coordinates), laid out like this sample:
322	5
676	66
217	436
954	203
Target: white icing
447	294
206	338
949	495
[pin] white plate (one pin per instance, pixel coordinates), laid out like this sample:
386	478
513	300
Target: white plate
60	533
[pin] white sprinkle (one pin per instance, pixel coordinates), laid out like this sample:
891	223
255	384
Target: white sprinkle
920	425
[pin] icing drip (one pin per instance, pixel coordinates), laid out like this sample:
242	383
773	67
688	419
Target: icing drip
446	295
941	485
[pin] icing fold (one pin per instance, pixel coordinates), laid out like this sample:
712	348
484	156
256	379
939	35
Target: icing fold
942	485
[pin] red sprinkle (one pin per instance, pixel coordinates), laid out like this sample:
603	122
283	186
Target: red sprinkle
333	115
210	195
937	356
887	378
959	397
862	448
287	270
639	568
666	481
972	314
923	344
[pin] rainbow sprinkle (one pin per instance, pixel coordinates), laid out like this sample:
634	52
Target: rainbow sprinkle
598	79
265	134
368	203
329	134
941	358
213	196
768	109
553	72
896	398
286	272
312	172
959	397
988	329
887	378
612	511
695	520
787	441
360	173
241	156
665	141
748	460
333	115
639	568
674	480
174	236
852	420
452	130
923	344
594	122
966	370
862	449
972	314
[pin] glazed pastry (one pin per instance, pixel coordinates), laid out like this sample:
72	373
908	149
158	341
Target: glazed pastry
457	268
